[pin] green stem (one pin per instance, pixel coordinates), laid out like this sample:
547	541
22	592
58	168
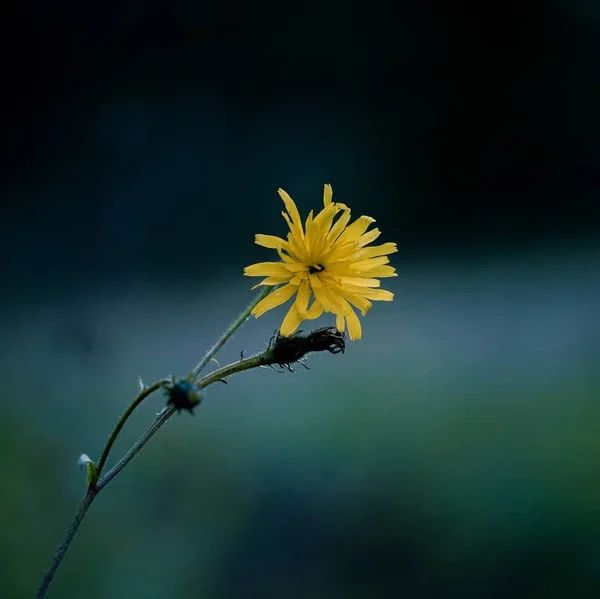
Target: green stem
65	543
240	366
161	419
115	433
229	332
217	375
136	447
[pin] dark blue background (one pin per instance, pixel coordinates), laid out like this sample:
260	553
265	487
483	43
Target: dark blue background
135	136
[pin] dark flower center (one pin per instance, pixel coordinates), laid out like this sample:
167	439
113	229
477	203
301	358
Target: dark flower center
313	268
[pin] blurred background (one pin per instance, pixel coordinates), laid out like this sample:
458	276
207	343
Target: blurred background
453	451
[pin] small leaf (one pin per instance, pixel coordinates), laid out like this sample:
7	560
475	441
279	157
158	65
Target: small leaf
92	469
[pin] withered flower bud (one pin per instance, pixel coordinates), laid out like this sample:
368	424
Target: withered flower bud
183	395
286	351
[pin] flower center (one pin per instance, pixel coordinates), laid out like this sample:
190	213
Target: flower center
313	268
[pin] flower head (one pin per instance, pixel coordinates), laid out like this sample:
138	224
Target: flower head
327	260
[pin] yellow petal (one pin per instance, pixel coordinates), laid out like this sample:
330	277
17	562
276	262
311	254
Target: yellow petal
355	295
297	278
331	301
315	281
297	247
286	257
340	323
291	321
324	219
290	206
356	229
327	194
323	298
271	281
267	269
303	297
274	299
316	236
342	251
309	220
354	328
314	311
380	295
376	250
358	282
296	267
382	272
368	237
363	304
339	225
347	290
334	270
270	241
352	321
367	265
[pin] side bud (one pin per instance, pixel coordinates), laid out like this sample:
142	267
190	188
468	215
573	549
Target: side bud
91	469
183	395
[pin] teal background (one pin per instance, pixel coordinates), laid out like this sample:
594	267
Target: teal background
453	451
450	452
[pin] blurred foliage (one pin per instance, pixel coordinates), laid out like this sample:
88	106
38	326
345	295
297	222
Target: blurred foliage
422	463
450	453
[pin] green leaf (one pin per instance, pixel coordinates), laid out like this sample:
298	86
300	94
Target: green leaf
91	469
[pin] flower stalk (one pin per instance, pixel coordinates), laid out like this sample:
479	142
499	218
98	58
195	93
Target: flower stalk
224	338
325	260
99	481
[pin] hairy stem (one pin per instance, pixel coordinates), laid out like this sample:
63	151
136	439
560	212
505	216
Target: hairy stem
66	542
213	377
115	433
229	332
136	447
240	366
161	419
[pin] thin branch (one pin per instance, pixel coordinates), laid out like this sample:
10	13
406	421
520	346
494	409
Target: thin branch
96	486
239	366
213	377
115	433
137	446
229	332
66	542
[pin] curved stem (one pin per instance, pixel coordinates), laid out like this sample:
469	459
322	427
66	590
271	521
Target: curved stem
213	377
66	542
115	433
94	489
240	366
235	325
137	446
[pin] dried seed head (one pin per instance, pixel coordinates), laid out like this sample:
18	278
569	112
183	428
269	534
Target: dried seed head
286	351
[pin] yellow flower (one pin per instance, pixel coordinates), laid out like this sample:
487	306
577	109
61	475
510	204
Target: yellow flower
326	260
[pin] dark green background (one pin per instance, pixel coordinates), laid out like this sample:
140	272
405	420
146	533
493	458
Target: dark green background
453	451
